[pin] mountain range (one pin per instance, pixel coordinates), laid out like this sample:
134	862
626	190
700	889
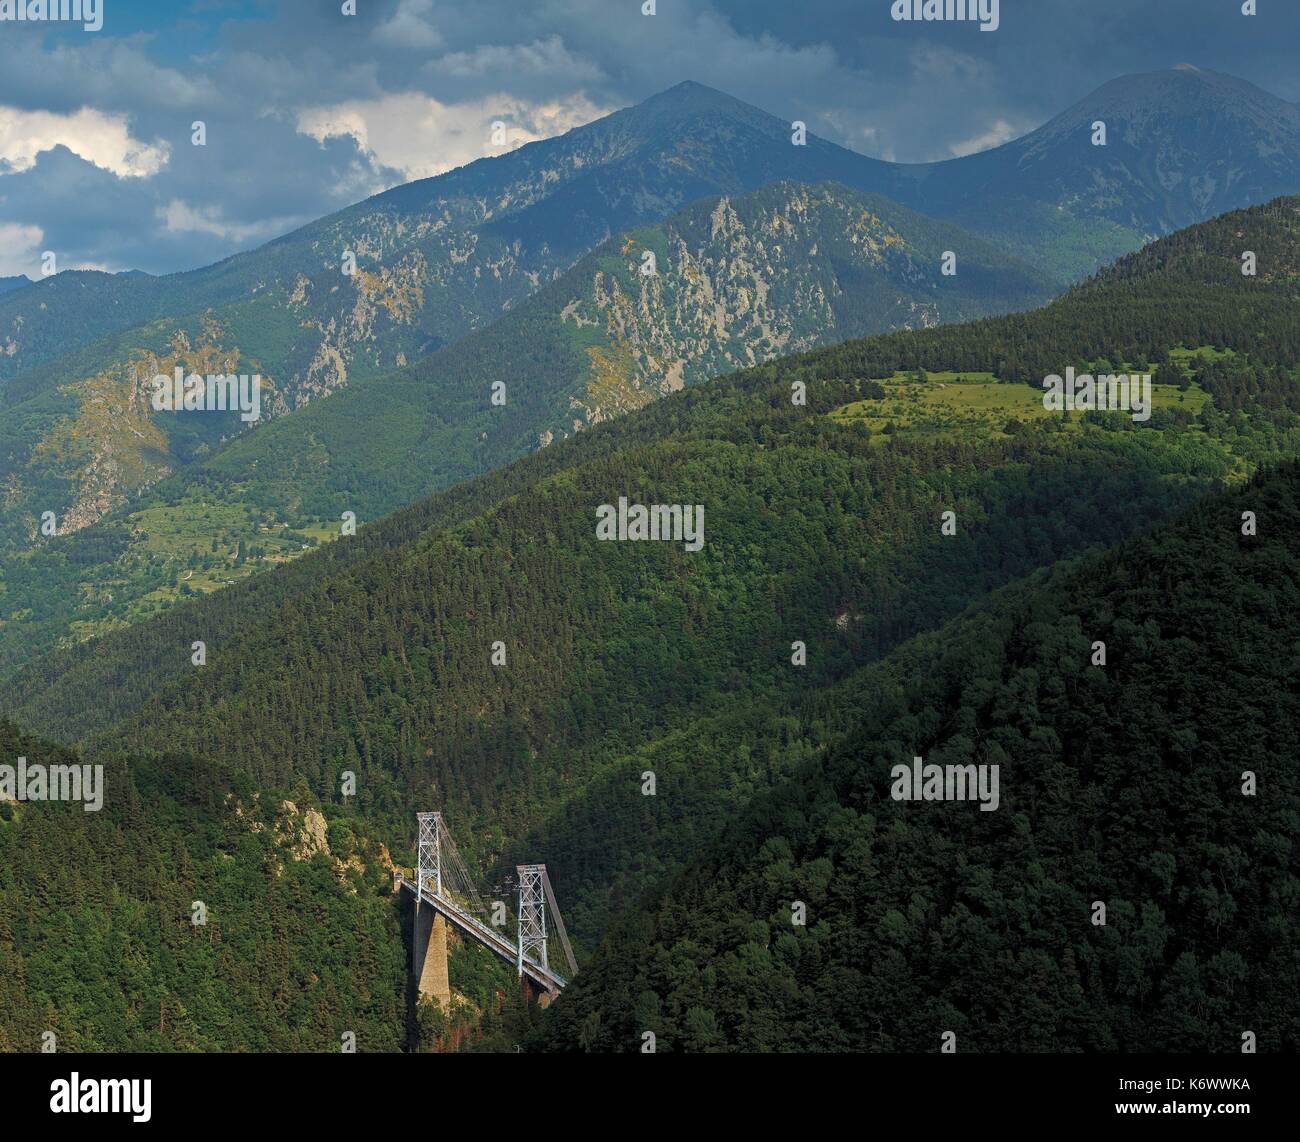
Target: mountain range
441	256
525	270
737	281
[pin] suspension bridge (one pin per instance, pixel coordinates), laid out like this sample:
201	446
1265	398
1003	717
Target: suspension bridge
445	893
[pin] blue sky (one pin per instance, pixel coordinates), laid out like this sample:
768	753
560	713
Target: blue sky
308	110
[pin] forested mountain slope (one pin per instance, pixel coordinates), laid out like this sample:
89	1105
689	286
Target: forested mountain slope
439	258
294	946
1161	784
375	655
385	444
726	283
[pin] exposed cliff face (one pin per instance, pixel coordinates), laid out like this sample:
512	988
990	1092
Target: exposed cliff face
103	443
735	282
302	833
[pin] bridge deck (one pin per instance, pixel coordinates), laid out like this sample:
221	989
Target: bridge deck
539	973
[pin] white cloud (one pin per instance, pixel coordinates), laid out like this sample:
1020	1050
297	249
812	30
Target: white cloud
420	137
99	138
1001	132
411	26
20	250
540	58
181	217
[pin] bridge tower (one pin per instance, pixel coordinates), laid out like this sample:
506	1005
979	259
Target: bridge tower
429	939
532	914
428	852
535	893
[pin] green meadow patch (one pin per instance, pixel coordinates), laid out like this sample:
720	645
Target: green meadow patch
952	405
209	546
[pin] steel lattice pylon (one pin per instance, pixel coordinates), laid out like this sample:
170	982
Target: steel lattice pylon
428	871
532	913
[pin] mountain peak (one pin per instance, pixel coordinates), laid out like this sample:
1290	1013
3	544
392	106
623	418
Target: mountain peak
688	85
1175	82
7	284
692	98
1177	98
693	90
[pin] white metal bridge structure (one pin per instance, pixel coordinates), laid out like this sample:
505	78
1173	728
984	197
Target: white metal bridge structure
445	893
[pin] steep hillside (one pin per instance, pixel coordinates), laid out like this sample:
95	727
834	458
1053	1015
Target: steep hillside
734	282
375	654
434	260
385	443
812	534
1161	785
191	912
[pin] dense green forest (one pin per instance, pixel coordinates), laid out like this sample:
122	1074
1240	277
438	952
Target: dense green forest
383	444
1162	784
374	655
97	935
384	669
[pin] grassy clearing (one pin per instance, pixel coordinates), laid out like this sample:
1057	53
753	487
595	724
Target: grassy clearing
199	551
975	405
